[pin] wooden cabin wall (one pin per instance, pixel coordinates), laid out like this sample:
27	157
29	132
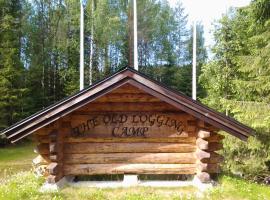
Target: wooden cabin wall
208	142
162	151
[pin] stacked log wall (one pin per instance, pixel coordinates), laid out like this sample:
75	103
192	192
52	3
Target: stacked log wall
164	152
208	160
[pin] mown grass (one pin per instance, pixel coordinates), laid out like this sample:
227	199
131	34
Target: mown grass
16	158
20	183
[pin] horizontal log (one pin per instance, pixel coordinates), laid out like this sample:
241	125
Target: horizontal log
215	138
53	147
56	157
46	157
207	126
203	134
162	158
128	148
41	170
42	138
200	154
202	144
207	167
204	177
191	129
91	169
214	158
40	160
54	168
46	130
208	157
126	107
42	148
42	131
128	97
214	146
186	140
127	88
54	178
209	146
66	124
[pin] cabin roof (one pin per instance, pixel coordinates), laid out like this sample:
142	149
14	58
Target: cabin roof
126	76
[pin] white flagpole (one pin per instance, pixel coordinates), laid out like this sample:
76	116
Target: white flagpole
135	35
194	63
91	45
82	47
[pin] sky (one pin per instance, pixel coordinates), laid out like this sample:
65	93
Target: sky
207	11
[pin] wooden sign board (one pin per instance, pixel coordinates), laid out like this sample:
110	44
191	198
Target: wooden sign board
129	125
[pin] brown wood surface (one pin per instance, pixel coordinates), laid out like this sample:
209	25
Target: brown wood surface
186	140
214	146
41	160
204	134
90	169
53	178
130	124
56	144
127	88
54	168
209	146
215	138
182	140
42	132
128	148
208	167
162	158
208	157
202	144
128	97
207	126
214	158
126	107
42	148
204	177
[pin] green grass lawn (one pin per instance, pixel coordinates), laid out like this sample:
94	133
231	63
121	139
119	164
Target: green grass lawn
18	182
16	158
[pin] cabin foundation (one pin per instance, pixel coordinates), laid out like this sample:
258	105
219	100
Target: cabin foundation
129	181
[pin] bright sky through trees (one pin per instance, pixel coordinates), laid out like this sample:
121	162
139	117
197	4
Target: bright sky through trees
207	11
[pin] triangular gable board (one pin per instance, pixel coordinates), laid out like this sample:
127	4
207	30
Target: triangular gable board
128	112
133	79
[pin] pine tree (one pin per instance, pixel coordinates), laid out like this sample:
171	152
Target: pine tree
237	83
12	73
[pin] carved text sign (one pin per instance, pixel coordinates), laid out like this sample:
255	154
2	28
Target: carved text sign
128	125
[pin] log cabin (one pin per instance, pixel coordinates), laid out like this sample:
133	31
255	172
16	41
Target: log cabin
127	124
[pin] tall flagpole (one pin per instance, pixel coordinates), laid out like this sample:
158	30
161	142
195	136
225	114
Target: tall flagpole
91	44
194	63
82	47
135	35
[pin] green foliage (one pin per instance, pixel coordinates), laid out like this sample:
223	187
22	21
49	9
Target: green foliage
236	188
24	185
237	83
12	82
